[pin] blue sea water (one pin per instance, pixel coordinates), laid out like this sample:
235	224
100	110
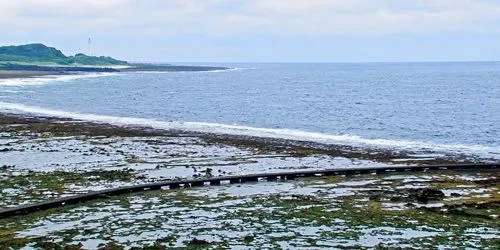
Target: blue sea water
444	107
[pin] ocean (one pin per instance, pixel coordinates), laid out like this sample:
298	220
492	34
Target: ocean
427	108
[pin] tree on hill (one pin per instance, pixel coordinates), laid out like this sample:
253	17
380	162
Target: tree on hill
40	53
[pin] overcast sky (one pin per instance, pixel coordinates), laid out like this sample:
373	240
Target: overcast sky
260	30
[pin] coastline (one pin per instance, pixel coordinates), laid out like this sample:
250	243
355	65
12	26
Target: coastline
11	71
44	158
57	126
26	74
41	71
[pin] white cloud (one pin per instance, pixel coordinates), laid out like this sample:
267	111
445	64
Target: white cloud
231	17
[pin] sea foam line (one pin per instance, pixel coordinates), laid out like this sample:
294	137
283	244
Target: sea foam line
186	71
290	134
41	80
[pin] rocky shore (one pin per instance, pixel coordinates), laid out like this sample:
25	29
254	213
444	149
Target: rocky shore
23	71
43	158
13	74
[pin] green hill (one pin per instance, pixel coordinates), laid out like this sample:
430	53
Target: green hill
40	54
94	60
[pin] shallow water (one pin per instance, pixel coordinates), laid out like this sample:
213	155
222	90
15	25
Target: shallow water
286	215
82	164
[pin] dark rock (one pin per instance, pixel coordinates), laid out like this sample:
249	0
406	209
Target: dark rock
488	182
398	198
249	238
410	204
425	195
375	197
197	242
8	166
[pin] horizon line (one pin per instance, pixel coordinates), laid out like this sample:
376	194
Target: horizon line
316	62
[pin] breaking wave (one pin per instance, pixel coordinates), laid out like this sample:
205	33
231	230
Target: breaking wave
42	80
183	72
291	134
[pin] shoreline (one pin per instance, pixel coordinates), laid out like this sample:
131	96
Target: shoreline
27	74
47	158
71	127
32	71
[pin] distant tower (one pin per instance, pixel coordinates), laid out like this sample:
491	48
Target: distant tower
89	47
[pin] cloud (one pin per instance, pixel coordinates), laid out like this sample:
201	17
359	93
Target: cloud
236	17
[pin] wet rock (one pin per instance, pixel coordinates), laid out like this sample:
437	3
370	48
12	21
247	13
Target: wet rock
110	246
198	243
455	211
398	199
488	182
249	238
410	205
425	195
422	195
375	197
5	167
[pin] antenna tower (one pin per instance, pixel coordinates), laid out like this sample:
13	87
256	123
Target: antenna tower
89	47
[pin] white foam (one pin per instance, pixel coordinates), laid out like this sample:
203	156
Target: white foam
223	70
10	91
186	71
41	80
291	134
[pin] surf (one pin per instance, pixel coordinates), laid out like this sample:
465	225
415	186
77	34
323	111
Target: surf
240	130
42	80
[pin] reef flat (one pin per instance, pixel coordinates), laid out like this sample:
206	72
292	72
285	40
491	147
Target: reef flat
44	158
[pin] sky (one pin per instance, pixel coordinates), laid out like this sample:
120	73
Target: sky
260	30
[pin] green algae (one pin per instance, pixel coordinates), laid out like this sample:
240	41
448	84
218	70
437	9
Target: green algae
37	186
261	219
